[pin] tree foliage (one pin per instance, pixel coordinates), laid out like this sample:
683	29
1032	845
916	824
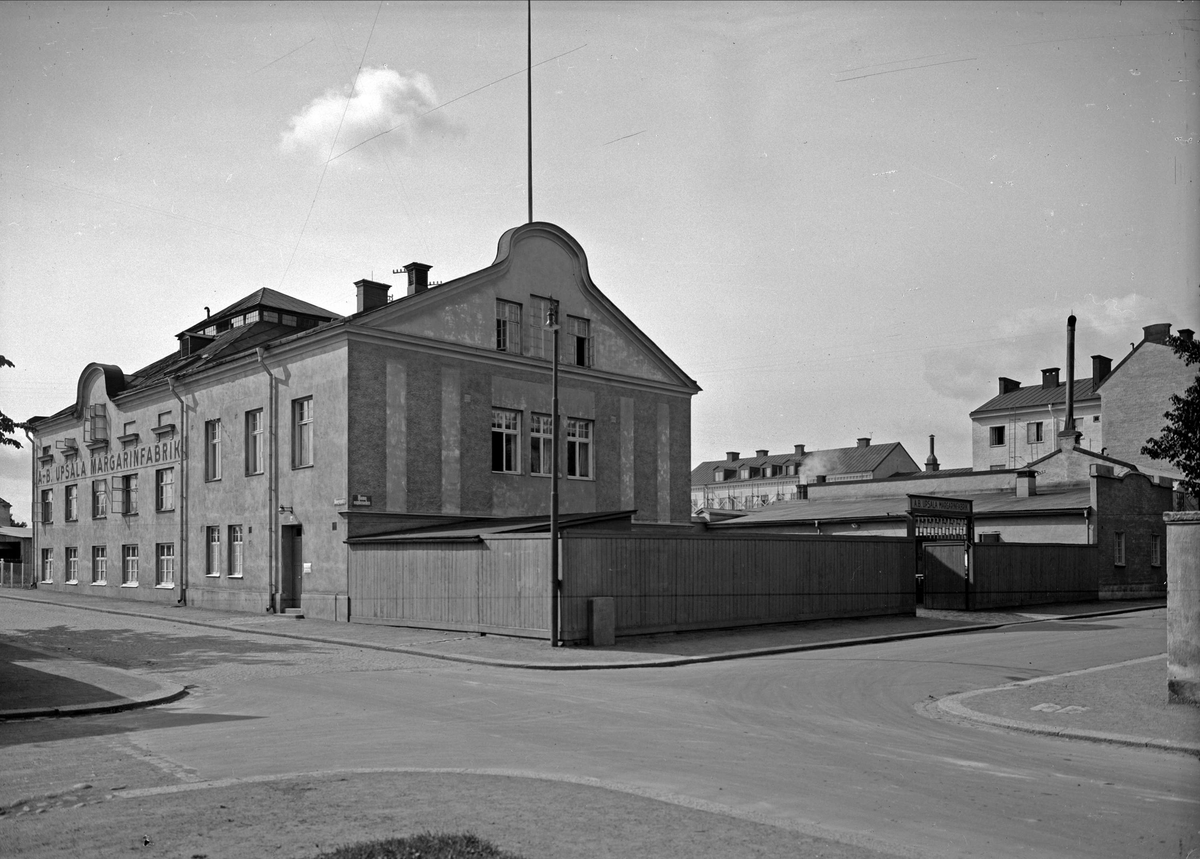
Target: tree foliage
1179	443
7	425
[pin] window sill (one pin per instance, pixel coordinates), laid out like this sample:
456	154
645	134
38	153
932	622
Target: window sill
301	467
71	582
212	575
101	583
165	587
129	584
236	576
165	510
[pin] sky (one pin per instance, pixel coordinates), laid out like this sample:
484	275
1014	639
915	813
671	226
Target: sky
842	219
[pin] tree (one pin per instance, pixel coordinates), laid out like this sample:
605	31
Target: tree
7	424
1179	443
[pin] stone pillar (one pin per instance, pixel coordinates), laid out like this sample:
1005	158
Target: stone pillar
1183	607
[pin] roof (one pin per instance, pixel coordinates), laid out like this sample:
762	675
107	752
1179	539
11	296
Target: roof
894	507
474	529
267	297
12	531
840	460
1037	395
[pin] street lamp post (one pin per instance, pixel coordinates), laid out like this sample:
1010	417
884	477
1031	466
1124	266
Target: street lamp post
552	325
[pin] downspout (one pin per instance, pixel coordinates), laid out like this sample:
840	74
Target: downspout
33	449
183	492
272	484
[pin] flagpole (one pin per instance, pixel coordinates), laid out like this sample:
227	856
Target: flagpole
529	97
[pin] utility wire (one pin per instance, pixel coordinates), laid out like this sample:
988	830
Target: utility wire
458	98
325	169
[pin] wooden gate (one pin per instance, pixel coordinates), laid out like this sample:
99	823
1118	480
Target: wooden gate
947	576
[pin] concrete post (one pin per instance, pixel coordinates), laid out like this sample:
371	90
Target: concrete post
1183	607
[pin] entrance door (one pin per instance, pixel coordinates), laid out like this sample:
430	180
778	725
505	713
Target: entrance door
291	564
947	579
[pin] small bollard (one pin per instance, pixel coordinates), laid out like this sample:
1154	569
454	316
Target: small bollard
602	622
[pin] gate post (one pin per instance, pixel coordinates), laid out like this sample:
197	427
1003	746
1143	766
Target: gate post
1183	607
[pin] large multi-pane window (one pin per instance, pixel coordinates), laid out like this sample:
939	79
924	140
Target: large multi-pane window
302	433
164	565
125	495
47	565
47	507
579	341
508	326
506	441
72	503
212	554
212	449
579	448
541	434
99	565
72	565
254	442
164	489
540	339
99	498
236	553
129	565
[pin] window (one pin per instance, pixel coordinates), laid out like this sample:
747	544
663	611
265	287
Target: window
1119	548
47	565
164	489
506	441
212	450
164	565
129	566
99	499
254	442
579	448
302	433
541	339
47	511
72	565
579	341
236	554
1156	550
95	425
541	454
72	503
99	565
996	436
1033	432
125	495
508	326
212	556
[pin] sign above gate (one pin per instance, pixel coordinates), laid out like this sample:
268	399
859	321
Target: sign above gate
935	517
934	505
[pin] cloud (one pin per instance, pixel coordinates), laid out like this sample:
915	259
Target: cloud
1021	344
383	101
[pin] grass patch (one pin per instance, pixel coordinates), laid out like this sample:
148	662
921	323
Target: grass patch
428	845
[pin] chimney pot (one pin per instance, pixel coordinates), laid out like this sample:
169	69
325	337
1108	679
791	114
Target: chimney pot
371	294
1007	386
1101	367
732	456
1186	334
799	450
931	461
1050	378
760	453
418	277
865	441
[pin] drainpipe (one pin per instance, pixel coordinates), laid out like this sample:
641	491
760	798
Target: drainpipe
817	525
272	484
33	450
183	492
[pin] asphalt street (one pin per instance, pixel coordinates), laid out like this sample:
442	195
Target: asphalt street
837	743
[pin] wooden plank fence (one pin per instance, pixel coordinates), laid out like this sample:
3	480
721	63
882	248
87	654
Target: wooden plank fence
1014	574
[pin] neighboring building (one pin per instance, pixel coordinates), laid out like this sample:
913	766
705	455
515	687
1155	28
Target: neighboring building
16	544
1116	410
1137	394
737	483
1020	425
230	473
1071	495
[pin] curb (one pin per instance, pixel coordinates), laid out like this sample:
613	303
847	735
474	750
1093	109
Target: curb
952	704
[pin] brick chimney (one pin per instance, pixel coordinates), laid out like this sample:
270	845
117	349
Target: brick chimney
371	294
1007	386
1187	334
799	450
1101	367
732	456
864	442
1026	483
418	277
760	453
1050	378
1156	333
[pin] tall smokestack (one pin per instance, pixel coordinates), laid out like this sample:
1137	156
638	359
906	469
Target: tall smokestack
1068	431
931	462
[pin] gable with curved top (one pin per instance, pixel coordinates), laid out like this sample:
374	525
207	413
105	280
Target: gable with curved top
97	380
